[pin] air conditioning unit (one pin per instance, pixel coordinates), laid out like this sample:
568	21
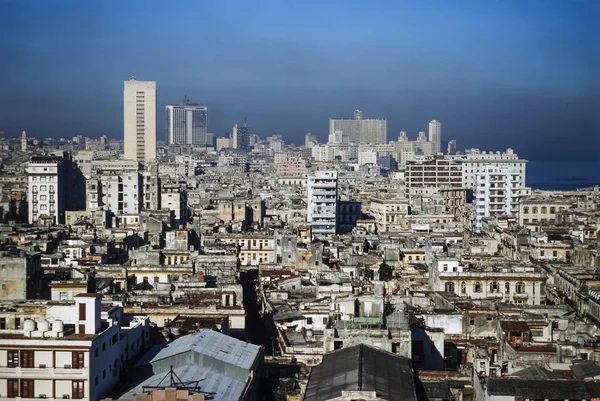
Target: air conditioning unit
66	396
42	396
67	366
42	366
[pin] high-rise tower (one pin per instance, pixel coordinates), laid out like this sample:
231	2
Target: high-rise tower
24	141
187	124
139	120
435	135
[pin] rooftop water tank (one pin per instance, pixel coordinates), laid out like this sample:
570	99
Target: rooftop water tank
43	325
58	326
28	325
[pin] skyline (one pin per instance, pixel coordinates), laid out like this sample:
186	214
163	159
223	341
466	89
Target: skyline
520	73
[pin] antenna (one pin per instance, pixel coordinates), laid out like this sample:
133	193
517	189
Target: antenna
245	121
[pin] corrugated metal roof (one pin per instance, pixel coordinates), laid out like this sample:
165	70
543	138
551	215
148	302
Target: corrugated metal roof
218	386
361	368
206	342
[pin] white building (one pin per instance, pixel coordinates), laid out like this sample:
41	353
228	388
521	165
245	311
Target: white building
359	130
76	352
174	197
435	135
187	124
322	203
45	189
118	188
139	120
475	160
496	193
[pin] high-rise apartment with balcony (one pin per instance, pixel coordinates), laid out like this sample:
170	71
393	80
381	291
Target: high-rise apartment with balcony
187	124
497	190
139	120
323	204
359	130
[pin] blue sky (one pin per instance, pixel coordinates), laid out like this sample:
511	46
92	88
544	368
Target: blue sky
514	73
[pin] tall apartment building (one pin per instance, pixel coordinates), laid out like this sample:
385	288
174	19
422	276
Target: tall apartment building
435	135
74	351
475	161
360	130
139	120
115	186
497	190
187	124
290	164
47	189
241	137
323	203
173	196
436	172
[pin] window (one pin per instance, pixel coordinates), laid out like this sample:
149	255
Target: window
104	374
542	253
43	207
96	380
324	321
17	323
445	267
2	322
309	320
42	187
77	389
520	287
96	352
449	287
77	360
472	322
463	288
27	359
81	311
494	286
507	287
13	359
555	253
27	388
104	346
12	388
477	287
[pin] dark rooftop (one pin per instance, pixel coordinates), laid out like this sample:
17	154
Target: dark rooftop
361	368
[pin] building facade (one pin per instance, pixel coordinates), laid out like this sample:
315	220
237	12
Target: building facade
435	135
139	120
322	203
360	130
496	193
187	124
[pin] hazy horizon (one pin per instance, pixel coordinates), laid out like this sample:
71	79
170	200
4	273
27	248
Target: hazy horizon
497	74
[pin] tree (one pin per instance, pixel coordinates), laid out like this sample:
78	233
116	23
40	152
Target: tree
385	272
368	274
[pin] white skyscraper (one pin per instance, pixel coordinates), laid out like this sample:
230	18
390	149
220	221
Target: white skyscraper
187	124
322	204
139	120
435	135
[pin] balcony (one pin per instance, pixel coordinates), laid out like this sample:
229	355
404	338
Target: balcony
37	372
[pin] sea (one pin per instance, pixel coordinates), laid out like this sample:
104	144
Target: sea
548	175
